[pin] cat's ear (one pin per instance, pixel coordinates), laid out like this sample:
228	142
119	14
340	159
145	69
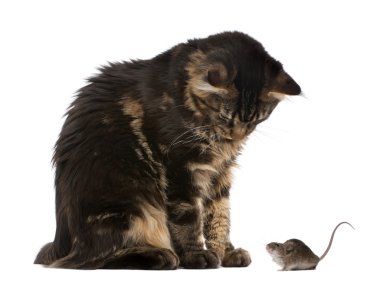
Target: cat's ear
220	68
217	75
283	85
210	73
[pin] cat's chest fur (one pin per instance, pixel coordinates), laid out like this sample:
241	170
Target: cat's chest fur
210	178
210	168
175	153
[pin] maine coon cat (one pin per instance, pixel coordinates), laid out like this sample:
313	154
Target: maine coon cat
144	158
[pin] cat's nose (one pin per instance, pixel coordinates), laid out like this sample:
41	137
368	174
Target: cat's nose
238	133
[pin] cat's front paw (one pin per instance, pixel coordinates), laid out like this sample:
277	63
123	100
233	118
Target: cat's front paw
200	259
236	258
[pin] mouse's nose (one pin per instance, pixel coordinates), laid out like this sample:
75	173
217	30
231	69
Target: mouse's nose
270	247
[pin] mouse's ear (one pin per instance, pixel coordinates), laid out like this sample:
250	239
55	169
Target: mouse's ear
289	249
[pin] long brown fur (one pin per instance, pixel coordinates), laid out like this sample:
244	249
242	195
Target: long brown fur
144	158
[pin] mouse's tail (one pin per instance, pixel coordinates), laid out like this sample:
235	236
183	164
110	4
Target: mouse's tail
331	239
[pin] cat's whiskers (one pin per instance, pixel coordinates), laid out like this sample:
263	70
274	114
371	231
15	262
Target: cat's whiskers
195	136
177	141
199	138
197	130
213	137
267	127
265	132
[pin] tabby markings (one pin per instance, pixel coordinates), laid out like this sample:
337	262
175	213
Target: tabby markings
218	224
134	109
167	102
197	84
149	229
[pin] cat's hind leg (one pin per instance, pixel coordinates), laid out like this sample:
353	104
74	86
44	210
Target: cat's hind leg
143	244
148	243
143	258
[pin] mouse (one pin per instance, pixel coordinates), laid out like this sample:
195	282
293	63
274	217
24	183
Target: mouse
294	254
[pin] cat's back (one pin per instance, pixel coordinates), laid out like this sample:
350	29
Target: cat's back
97	127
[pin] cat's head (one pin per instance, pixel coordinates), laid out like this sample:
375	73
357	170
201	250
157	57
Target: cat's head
234	84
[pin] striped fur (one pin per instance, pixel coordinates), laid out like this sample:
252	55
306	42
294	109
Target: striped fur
144	158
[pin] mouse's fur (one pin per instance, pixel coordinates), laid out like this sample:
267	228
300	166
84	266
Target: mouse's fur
296	255
293	255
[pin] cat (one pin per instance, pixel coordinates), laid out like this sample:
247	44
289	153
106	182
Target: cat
144	159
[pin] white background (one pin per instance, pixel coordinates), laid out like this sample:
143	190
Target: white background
313	164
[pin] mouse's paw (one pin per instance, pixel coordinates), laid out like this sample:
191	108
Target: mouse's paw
236	258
